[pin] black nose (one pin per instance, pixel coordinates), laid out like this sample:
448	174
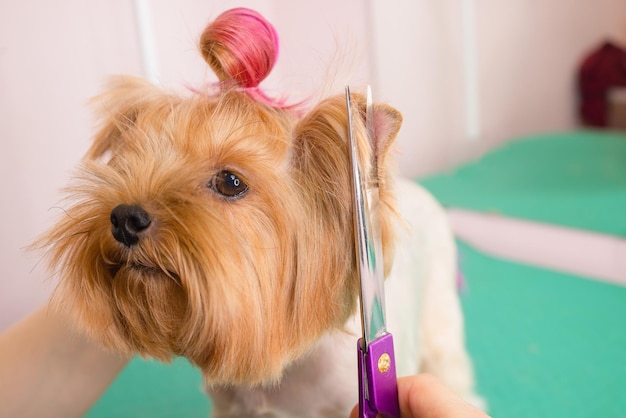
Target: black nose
127	222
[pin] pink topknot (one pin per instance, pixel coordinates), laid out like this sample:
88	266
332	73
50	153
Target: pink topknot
240	46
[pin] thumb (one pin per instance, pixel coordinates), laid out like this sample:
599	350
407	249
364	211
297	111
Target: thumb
355	412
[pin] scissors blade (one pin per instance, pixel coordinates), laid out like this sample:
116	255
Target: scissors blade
367	239
378	392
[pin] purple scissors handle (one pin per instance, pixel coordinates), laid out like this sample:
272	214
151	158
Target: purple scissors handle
378	390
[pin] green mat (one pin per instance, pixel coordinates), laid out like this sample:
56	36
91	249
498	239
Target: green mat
573	179
154	390
545	344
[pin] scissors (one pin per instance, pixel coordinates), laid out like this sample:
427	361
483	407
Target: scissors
378	390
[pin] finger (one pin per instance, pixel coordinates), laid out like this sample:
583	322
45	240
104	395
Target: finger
423	396
355	412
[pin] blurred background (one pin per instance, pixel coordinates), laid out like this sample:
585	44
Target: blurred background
484	86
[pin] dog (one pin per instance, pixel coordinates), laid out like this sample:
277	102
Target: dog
217	226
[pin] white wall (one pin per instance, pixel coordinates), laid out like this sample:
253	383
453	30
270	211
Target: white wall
525	53
528	51
52	58
55	55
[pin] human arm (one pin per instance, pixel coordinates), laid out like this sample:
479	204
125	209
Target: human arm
46	369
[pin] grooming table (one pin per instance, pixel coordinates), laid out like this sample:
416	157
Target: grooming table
575	180
154	390
545	342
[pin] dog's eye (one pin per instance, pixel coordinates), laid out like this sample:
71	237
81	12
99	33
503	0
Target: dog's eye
228	184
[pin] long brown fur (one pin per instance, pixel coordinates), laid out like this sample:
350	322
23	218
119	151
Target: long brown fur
241	287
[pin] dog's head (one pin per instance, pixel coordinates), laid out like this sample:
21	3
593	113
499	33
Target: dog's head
216	226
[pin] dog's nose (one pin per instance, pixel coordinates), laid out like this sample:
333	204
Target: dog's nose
127	222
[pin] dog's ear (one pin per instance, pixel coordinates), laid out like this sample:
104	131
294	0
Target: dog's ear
117	110
322	139
387	123
322	164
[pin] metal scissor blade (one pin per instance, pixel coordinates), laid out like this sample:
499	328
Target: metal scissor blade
378	392
369	256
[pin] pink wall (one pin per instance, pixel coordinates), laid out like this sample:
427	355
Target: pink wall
55	55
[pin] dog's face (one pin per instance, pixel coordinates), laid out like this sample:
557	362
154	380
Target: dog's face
214	227
203	186
217	227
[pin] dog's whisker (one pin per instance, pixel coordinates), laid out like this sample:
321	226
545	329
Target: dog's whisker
60	209
35	266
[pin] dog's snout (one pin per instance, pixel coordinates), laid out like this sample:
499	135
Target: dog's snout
128	221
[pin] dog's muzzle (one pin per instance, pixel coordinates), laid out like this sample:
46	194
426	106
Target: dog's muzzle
128	221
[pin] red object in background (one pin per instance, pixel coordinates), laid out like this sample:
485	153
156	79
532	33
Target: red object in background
603	69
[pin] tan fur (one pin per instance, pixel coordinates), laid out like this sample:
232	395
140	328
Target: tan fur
241	287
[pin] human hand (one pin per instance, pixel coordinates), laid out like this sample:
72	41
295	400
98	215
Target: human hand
423	396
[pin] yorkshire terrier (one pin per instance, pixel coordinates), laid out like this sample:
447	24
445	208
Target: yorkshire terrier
217	225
